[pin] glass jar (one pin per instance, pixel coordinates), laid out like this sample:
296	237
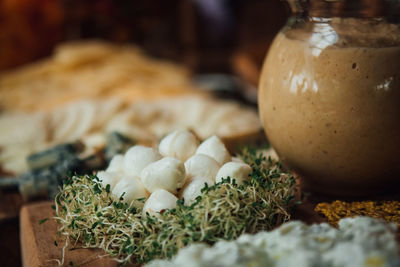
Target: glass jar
329	95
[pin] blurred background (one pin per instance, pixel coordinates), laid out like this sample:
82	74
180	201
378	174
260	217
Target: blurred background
206	36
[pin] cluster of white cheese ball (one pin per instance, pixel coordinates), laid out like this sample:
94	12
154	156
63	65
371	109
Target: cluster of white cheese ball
180	168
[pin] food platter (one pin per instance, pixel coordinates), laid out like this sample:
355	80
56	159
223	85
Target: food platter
77	194
160	99
38	246
123	174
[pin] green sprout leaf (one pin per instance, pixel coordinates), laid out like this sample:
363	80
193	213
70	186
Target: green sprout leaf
43	221
90	217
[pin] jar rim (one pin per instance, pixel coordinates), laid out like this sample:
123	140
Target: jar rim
389	9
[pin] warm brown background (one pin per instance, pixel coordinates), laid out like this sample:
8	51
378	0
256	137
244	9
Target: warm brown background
176	29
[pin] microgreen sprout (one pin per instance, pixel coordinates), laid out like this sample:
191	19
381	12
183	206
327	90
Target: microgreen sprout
90	218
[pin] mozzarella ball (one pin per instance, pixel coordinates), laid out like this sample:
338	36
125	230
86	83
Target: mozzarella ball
235	170
193	189
167	173
111	178
179	144
137	158
214	148
133	189
158	201
201	165
116	164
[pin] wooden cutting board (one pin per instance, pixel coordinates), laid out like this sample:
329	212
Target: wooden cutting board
39	249
38	242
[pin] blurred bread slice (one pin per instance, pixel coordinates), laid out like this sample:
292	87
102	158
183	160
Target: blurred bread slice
144	121
149	121
92	70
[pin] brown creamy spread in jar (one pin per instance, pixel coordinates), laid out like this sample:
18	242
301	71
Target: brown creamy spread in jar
330	103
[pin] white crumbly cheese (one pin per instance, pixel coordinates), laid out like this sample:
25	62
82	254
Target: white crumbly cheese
137	158
111	178
359	242
116	164
193	189
131	189
235	170
167	173
214	148
200	165
158	201
179	144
